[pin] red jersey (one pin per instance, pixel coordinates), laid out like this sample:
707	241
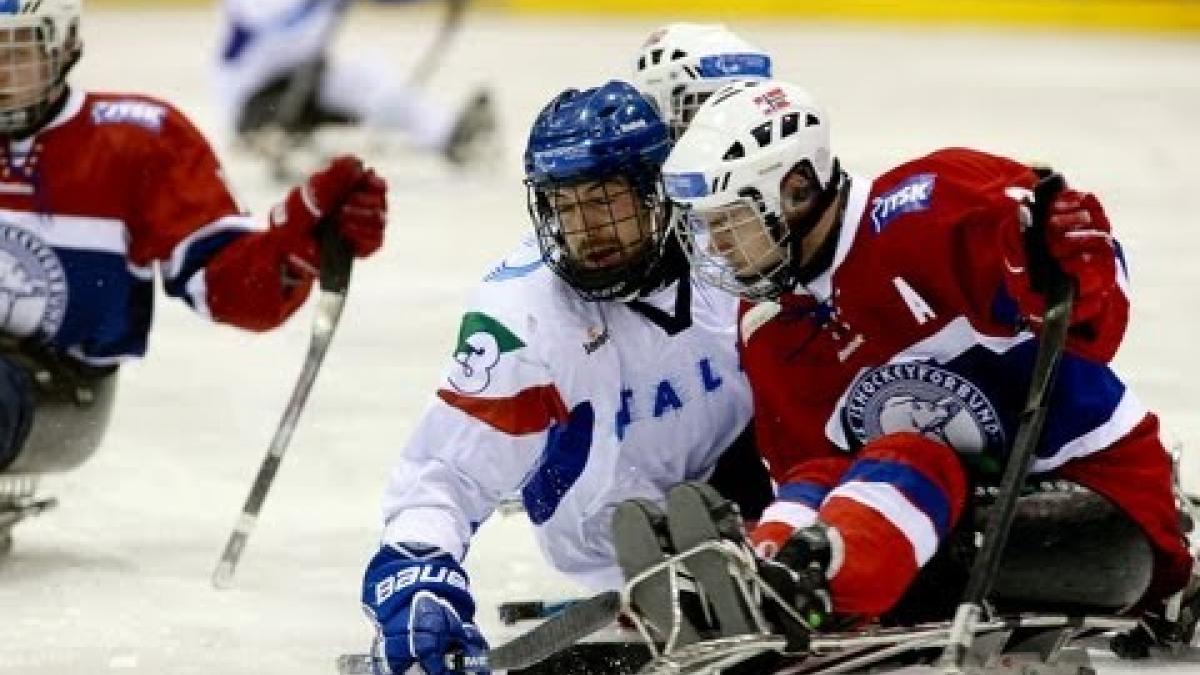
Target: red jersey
112	189
912	331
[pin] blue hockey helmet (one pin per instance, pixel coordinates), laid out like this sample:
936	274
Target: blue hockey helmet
592	165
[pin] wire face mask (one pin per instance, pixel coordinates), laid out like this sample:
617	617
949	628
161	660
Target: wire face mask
601	236
30	76
734	247
714	72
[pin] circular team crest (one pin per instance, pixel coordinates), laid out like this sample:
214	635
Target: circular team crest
929	400
33	285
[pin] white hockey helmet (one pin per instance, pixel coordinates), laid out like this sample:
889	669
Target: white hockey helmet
726	175
682	64
39	43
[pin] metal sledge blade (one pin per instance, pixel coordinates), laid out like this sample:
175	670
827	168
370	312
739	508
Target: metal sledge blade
696	514
640	535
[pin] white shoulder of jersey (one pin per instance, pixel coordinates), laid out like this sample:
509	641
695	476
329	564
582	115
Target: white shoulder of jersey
521	287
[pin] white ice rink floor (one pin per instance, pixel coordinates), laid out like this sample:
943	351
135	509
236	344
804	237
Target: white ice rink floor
117	579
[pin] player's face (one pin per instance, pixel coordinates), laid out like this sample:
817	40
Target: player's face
738	235
604	223
24	68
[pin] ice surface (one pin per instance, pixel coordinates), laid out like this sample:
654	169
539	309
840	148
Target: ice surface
117	579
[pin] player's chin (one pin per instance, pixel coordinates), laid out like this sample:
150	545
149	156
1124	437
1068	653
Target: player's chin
603	260
745	274
611	257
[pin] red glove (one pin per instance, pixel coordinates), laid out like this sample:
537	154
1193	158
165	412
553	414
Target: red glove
1079	237
351	197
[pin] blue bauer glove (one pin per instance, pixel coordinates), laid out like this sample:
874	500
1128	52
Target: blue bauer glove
419	600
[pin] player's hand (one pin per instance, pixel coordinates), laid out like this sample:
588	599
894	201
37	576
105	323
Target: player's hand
796	571
1079	237
350	196
423	612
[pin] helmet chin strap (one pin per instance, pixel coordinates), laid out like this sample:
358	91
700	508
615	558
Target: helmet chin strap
795	273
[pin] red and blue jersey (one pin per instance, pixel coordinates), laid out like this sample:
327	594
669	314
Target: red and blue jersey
116	190
912	331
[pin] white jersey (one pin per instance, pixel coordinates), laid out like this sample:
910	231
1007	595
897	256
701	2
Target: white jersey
578	405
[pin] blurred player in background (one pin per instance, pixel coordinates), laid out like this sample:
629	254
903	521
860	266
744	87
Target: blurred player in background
275	74
99	194
681	64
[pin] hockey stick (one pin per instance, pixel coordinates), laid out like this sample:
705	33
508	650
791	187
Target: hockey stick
425	66
336	264
864	647
281	139
1047	278
531	610
303	85
557	633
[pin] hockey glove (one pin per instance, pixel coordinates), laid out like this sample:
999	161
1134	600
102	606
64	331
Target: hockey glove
351	197
797	573
1079	237
419	600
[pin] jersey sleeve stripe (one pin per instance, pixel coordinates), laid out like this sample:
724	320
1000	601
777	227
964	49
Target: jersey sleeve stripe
198	247
531	410
794	514
896	509
918	489
806	493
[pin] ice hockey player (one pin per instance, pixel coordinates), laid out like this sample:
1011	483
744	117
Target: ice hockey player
888	331
274	72
589	369
681	64
97	191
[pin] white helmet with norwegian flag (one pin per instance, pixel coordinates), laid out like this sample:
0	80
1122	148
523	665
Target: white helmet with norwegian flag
681	64
726	174
39	43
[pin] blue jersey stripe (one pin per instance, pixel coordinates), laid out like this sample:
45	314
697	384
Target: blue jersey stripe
110	310
922	492
568	447
809	494
198	254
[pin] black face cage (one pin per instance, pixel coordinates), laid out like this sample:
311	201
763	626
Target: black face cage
685	102
638	261
22	120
